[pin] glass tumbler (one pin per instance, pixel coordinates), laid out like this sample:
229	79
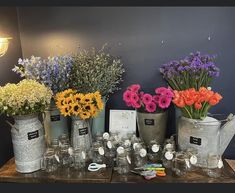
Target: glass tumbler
154	151
98	152
180	164
123	166
79	159
214	165
49	162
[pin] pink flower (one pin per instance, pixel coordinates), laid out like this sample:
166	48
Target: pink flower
160	90
141	94
164	102
169	93
134	97
134	88
156	98
136	105
127	96
151	107
147	98
128	104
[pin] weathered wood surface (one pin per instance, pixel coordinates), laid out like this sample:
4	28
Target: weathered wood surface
228	176
9	174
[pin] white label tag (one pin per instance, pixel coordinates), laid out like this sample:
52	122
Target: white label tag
169	155
70	151
109	144
83	155
169	146
143	152
187	163
57	158
128	159
101	150
193	159
134	145
120	150
220	164
106	136
155	148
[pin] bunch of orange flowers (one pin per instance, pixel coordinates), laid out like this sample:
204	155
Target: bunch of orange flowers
71	103
195	104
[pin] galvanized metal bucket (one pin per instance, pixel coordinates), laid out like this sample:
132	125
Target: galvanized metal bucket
152	126
81	134
207	136
28	143
55	124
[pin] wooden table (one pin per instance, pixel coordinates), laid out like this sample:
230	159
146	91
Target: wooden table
9	174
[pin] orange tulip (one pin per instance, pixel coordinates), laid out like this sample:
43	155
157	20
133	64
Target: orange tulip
198	105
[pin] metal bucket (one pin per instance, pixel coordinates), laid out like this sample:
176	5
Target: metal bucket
28	143
152	126
81	134
55	124
202	135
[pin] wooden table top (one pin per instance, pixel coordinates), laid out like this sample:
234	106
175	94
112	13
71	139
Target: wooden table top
9	174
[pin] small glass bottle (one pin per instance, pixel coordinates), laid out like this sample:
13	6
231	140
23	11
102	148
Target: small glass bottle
123	165
79	159
214	165
180	164
49	162
140	156
98	152
154	151
167	157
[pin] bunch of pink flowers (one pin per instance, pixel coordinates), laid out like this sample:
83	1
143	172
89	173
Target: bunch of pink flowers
135	98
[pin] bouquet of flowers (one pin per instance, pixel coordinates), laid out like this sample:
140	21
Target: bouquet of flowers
195	104
54	72
137	99
194	71
96	70
70	102
26	97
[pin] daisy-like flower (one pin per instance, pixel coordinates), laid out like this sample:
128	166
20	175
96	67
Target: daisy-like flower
127	96
147	99
76	109
78	97
151	107
84	115
164	102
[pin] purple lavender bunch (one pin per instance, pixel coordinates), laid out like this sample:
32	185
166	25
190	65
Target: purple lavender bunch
54	72
194	71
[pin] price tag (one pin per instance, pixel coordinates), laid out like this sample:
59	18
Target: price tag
101	150
106	136
143	152
155	148
134	145
109	144
193	159
120	150
169	155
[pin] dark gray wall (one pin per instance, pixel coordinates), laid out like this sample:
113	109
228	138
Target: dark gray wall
144	37
8	27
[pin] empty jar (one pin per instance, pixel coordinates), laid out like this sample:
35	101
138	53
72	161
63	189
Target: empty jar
80	157
154	151
180	164
98	152
49	162
123	164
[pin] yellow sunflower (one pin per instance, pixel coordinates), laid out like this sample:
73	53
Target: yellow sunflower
66	110
78	97
76	109
87	98
84	115
60	102
100	104
69	99
67	92
93	111
97	95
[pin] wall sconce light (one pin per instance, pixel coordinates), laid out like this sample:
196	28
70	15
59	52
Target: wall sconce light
4	43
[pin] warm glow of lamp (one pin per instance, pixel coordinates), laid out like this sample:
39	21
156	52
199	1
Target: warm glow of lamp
4	43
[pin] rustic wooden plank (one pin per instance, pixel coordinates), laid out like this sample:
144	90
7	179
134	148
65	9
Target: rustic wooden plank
9	174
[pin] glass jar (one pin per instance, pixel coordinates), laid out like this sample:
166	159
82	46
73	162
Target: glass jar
181	164
98	152
66	153
63	139
80	158
214	165
192	155
123	166
154	151
49	162
140	156
167	157
170	143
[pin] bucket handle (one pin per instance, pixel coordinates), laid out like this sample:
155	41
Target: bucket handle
12	126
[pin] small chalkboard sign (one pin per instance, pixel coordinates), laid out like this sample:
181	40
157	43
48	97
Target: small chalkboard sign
149	121
33	135
195	140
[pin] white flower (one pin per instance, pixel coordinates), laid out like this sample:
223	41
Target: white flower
5	107
209	88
